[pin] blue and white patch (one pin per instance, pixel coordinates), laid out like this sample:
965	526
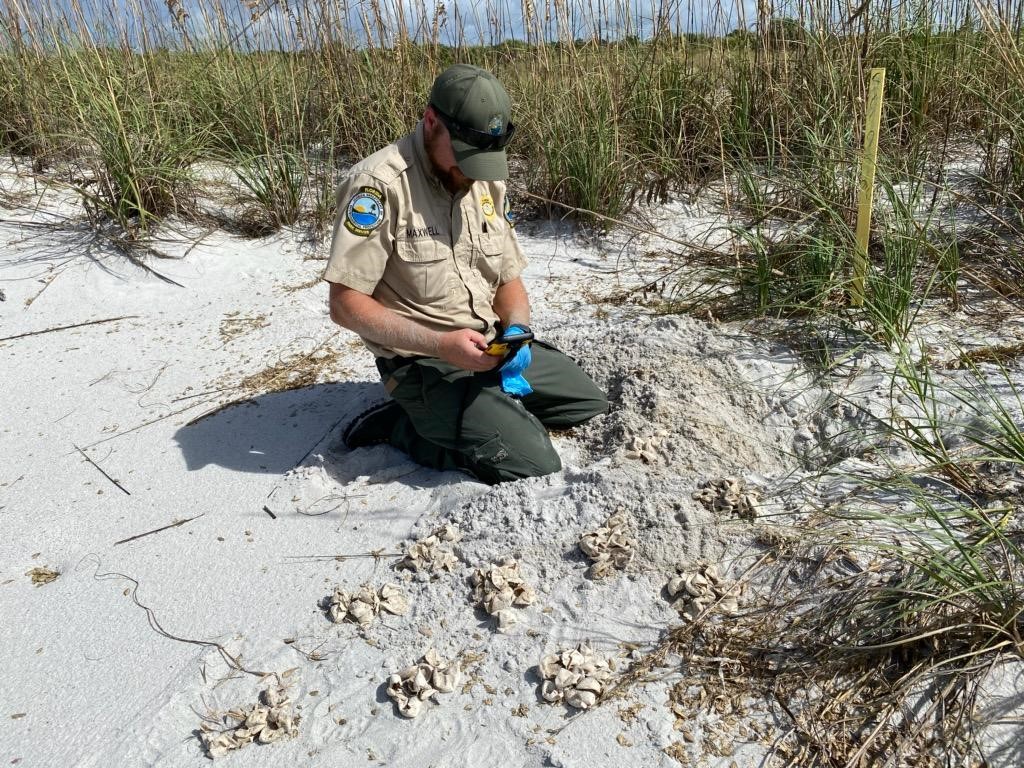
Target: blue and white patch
365	211
496	125
509	216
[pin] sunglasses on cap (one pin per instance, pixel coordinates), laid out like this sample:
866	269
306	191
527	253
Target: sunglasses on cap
473	137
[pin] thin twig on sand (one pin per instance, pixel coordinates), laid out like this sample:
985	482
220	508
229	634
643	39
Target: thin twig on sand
68	327
101	470
147	423
157	530
201	394
323	437
229	659
378	554
46	284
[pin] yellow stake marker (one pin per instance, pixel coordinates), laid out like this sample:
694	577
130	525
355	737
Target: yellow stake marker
865	194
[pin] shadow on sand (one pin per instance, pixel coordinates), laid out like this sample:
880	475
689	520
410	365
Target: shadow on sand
272	433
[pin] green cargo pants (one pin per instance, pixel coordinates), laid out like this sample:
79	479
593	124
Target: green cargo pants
457	419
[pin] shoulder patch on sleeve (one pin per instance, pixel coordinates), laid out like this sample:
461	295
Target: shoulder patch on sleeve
509	216
365	211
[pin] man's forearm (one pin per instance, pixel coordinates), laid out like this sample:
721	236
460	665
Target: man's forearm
365	315
511	303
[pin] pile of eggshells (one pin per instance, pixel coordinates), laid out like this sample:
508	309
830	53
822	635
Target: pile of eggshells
500	587
650	450
364	605
269	720
727	495
696	589
609	547
414	685
430	555
577	676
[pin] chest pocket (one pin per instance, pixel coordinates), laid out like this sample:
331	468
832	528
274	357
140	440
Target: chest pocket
488	253
422	270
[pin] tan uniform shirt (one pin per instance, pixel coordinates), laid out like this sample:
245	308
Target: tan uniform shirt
403	239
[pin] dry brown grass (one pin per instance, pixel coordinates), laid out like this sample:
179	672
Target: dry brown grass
294	372
234	325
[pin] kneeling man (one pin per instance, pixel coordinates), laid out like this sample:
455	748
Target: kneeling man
425	267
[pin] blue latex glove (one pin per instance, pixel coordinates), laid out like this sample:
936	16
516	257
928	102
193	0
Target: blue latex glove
512	380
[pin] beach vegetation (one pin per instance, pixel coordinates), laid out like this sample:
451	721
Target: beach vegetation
901	596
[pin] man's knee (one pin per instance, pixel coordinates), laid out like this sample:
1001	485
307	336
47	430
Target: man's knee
579	410
592	406
514	457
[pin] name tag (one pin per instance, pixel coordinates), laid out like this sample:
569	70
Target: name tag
416	233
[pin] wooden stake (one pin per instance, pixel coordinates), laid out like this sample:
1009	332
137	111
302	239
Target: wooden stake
866	191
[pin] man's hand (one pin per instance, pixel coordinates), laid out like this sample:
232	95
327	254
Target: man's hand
465	349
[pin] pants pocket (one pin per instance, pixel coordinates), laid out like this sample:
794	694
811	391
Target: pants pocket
491	452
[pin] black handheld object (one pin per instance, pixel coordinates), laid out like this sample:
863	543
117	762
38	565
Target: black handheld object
508	344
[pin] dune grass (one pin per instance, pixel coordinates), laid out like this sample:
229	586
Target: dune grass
603	120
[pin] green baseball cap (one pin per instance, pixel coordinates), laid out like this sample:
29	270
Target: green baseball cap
476	110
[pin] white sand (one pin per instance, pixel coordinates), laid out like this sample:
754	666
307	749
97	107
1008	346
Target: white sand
90	681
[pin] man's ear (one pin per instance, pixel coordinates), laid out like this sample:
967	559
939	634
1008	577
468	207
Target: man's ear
432	125
429	117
